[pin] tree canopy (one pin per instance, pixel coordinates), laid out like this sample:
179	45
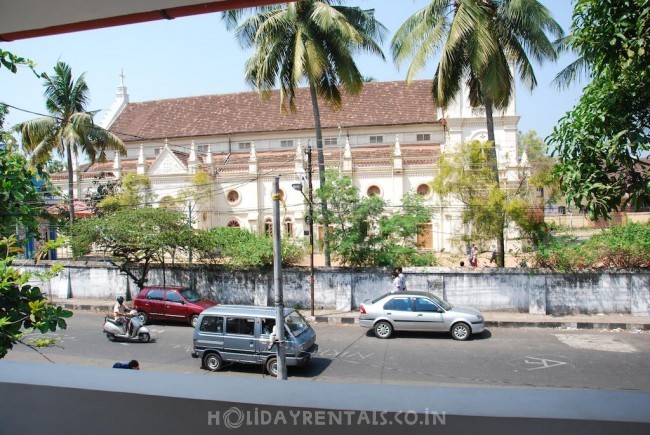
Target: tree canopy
22	199
602	143
312	41
70	130
367	231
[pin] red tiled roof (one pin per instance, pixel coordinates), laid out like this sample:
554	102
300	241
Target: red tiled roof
379	103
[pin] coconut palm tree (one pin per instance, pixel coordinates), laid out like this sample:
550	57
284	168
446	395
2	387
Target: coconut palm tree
70	128
479	41
312	42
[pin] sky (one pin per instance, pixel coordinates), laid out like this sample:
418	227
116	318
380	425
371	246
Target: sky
196	56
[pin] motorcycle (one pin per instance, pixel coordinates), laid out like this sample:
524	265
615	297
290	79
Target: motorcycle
117	331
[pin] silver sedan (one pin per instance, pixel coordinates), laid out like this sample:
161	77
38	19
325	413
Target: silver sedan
419	311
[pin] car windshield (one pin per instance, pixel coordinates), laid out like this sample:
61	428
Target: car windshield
444	304
296	323
191	295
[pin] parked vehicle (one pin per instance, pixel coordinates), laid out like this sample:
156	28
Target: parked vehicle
118	331
243	334
170	303
419	311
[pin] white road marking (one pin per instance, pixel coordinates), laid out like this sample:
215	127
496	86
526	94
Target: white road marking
602	342
542	363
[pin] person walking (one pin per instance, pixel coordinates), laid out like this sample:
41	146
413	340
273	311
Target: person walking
402	278
494	255
396	281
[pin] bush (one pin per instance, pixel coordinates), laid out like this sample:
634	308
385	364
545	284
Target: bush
622	247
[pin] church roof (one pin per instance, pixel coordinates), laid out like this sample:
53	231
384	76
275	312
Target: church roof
378	104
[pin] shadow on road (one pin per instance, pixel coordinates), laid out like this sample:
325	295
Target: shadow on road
423	335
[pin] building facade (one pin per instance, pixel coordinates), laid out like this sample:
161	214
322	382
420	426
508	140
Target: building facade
387	139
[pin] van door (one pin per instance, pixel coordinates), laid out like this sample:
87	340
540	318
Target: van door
239	339
262	344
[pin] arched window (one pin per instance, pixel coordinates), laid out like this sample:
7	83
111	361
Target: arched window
268	226
288	226
233	224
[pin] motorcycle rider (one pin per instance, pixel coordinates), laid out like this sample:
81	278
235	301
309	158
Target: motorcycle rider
120	312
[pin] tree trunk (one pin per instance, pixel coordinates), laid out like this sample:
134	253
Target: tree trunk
321	170
501	255
68	150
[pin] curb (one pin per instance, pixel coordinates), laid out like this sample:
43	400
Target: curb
338	320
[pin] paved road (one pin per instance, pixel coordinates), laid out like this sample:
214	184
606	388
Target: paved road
545	358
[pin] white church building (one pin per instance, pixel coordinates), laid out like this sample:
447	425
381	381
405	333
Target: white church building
387	139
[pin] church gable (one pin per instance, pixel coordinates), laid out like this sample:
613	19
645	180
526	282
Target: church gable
167	163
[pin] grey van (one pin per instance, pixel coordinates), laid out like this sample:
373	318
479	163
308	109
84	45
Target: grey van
241	333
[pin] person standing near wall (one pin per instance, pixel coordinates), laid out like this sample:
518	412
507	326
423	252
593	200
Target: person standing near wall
396	281
402	278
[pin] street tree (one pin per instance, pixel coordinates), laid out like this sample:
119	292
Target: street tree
603	142
133	238
465	177
134	191
23	307
22	199
368	231
69	130
479	41
310	41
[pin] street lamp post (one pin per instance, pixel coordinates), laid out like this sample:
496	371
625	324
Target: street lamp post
310	221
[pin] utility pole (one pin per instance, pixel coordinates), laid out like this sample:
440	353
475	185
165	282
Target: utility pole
310	222
310	200
277	278
189	223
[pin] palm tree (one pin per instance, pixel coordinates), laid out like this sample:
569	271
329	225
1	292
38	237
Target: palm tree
70	128
479	40
576	70
308	41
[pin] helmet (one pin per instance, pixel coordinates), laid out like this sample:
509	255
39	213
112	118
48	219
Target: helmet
120	299
133	313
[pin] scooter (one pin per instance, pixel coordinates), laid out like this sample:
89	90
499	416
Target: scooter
116	331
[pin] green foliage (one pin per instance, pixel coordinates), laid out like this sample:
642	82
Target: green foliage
241	249
22	306
11	62
602	141
22	201
365	233
70	130
466	175
621	247
135	191
134	238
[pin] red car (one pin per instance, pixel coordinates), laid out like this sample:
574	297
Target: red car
170	303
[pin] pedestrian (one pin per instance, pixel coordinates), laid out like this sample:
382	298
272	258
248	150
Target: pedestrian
396	281
473	261
402	278
494	255
131	365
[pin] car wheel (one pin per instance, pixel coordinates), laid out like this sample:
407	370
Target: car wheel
461	331
142	317
144	337
383	329
193	320
272	366
212	362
